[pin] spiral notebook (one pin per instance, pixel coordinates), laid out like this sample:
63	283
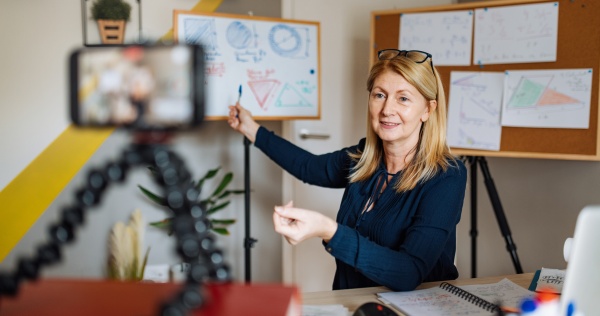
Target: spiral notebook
448	299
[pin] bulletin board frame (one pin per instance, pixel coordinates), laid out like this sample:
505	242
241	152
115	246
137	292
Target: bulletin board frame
578	47
261	87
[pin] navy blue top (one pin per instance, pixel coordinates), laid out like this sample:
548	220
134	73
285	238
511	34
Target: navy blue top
405	239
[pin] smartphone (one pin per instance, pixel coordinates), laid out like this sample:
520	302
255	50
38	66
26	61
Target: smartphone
140	87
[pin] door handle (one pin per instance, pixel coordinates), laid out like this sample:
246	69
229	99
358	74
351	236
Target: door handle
306	134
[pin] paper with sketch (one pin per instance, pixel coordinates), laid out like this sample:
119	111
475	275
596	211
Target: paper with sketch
554	98
516	34
437	301
550	280
445	35
474	108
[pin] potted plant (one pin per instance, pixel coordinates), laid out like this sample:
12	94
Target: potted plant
111	16
213	203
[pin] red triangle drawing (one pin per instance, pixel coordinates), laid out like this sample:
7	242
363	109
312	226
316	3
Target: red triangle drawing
553	97
262	89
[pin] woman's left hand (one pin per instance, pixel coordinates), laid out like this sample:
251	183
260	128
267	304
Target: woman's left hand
297	224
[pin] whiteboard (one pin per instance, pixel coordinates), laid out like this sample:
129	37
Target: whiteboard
274	62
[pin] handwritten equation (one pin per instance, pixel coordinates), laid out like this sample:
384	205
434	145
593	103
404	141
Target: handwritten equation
516	34
445	35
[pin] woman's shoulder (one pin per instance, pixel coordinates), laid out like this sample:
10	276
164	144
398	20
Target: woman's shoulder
454	168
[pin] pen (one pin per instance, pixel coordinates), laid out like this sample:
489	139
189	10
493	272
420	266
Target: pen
239	93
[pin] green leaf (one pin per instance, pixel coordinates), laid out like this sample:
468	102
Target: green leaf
164	224
225	222
224	183
221	231
209	175
155	198
217	208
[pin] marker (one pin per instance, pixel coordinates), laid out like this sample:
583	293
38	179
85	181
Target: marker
239	93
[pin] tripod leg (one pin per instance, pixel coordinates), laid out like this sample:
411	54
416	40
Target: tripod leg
473	232
500	217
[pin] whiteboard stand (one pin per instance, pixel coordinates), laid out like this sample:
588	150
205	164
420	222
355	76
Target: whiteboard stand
248	241
498	211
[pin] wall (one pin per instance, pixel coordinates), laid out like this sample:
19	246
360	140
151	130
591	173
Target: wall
33	112
541	198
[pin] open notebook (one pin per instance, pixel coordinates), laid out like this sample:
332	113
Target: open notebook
582	280
447	299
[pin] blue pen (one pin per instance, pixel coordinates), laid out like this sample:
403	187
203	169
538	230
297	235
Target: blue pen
239	93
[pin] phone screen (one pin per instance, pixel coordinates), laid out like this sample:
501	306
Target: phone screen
137	86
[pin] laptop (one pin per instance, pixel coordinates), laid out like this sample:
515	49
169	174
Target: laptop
581	289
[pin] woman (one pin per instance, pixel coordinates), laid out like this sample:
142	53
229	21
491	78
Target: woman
404	191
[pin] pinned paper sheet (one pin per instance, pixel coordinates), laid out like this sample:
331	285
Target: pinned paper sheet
553	98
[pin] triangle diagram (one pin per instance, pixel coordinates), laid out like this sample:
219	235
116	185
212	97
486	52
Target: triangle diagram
553	97
262	89
289	97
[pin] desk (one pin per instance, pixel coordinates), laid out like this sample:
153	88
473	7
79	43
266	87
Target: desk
353	298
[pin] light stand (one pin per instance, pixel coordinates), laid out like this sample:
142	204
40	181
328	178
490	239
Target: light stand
498	211
248	241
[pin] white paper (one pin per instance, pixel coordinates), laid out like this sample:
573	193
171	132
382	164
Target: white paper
325	310
445	35
558	98
551	280
437	301
516	34
474	108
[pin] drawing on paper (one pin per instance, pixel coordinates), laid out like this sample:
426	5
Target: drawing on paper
557	98
445	35
535	93
474	110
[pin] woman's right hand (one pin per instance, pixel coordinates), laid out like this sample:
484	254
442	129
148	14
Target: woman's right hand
241	120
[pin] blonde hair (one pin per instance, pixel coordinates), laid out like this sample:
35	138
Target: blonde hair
432	152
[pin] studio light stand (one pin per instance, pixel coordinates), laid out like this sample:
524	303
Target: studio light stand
191	226
248	241
498	211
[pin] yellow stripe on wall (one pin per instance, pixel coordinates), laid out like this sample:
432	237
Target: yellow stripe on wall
30	193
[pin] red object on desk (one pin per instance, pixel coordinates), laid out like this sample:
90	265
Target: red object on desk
60	297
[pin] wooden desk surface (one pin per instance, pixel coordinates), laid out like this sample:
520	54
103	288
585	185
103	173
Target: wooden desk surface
353	298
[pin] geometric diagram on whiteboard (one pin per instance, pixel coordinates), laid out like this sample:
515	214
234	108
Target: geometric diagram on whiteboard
244	40
290	97
201	32
263	89
288	41
533	93
239	36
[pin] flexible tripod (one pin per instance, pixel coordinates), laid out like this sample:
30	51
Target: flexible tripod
190	225
498	211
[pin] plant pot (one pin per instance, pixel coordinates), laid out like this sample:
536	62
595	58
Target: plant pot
112	31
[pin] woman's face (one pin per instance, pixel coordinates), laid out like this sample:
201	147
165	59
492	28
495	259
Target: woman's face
397	109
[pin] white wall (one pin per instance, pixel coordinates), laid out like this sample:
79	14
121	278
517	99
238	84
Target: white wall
33	112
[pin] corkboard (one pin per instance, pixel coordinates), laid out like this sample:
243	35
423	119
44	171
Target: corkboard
578	47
